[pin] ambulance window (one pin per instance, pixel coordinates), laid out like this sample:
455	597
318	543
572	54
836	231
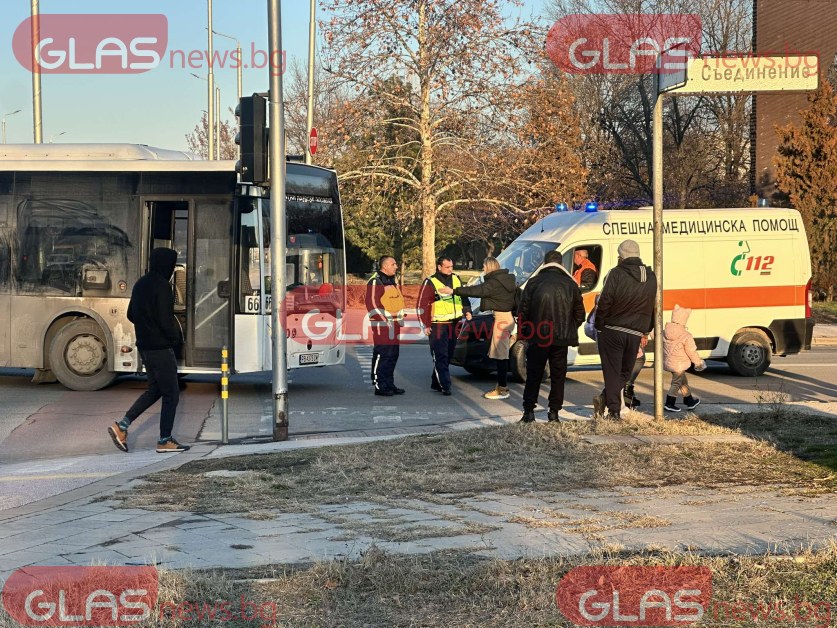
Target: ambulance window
587	277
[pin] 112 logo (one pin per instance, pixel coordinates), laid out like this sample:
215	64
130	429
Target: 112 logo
744	262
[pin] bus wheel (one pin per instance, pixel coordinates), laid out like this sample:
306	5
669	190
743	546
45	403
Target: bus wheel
749	352
78	356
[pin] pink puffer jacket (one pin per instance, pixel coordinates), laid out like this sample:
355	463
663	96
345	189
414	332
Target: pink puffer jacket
679	349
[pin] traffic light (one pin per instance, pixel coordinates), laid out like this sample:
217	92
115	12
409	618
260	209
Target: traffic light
252	137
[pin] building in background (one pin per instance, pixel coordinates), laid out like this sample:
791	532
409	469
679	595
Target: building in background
786	27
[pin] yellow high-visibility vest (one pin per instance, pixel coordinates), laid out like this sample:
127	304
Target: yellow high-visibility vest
448	307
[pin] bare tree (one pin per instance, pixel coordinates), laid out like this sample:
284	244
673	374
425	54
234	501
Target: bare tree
459	59
198	139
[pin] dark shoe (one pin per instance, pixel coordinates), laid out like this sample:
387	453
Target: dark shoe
599	405
630	399
436	387
552	416
446	392
398	391
612	417
528	416
691	402
118	436
671	404
171	446
384	393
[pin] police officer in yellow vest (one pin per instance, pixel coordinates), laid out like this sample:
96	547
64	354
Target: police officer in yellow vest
439	311
385	304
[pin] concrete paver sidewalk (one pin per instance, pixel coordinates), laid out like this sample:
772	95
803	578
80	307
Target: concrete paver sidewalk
84	526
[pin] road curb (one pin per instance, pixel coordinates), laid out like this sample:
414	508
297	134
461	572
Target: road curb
824	341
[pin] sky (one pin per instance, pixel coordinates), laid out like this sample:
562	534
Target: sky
160	106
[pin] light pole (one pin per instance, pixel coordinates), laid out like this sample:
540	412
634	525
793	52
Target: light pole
309	158
37	110
213	130
211	80
217	123
51	139
4	122
240	59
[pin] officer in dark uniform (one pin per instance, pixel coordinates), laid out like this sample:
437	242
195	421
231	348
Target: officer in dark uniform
385	304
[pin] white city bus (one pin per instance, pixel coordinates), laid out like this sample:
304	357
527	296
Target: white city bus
77	224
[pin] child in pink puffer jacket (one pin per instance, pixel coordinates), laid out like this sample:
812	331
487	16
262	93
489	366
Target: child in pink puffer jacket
679	353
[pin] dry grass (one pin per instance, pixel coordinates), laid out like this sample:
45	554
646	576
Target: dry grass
510	459
460	589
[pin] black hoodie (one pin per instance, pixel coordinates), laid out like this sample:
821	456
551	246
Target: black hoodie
151	309
627	299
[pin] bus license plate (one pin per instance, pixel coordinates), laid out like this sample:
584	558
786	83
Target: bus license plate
309	358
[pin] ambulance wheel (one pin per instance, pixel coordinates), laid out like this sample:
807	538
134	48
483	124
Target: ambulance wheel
78	356
517	359
749	353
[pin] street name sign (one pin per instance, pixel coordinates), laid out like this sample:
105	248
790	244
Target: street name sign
752	73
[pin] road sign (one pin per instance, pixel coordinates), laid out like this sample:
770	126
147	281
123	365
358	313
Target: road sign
750	74
312	141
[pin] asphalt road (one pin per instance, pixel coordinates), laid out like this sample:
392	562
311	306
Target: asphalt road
53	439
48	421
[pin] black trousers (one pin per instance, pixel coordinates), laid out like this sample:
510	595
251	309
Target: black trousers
618	353
536	359
442	345
384	358
161	366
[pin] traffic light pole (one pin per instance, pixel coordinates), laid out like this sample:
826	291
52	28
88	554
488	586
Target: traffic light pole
276	123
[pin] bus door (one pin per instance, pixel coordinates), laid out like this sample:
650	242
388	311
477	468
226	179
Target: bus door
199	230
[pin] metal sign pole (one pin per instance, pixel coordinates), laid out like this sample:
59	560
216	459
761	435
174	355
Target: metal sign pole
309	158
657	153
278	234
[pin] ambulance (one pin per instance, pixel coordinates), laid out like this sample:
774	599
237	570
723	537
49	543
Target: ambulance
746	274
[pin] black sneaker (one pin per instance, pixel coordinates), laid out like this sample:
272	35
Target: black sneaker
528	416
553	417
171	446
398	391
436	387
384	393
446	392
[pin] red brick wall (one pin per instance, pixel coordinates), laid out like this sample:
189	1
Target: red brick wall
786	27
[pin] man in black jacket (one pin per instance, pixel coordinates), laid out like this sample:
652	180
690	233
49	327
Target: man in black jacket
151	310
550	312
624	315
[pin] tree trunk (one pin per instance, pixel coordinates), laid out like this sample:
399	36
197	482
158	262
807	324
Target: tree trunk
427	202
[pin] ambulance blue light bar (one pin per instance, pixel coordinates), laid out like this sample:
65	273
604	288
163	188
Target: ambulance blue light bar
561	207
591	207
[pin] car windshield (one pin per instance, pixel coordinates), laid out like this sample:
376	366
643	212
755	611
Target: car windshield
522	257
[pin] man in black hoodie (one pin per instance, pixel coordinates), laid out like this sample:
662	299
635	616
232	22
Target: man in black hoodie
151	310
624	315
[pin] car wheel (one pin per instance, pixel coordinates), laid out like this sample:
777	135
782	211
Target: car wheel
749	353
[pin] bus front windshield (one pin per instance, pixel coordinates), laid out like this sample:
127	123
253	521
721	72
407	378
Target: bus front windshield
314	267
